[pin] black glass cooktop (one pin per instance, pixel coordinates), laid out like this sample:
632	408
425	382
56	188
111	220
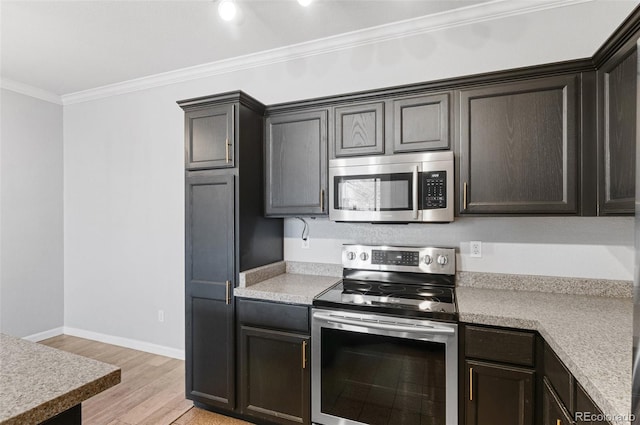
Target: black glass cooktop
424	299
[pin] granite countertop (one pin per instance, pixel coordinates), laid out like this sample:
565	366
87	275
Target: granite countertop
591	335
39	382
288	282
588	323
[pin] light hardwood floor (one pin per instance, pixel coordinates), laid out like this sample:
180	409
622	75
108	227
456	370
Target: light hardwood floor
151	391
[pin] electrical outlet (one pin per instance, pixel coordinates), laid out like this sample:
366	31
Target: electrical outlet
161	316
475	247
305	243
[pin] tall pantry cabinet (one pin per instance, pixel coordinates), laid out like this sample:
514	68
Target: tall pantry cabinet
225	233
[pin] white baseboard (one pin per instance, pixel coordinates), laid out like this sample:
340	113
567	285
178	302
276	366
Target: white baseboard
41	336
126	342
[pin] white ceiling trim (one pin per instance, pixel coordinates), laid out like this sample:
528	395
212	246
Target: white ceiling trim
495	9
31	91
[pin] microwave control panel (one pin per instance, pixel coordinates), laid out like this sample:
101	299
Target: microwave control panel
434	190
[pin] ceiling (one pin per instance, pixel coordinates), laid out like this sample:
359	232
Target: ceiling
65	47
69	46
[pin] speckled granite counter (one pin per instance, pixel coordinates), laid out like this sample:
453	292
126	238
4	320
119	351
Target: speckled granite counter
296	283
38	382
591	335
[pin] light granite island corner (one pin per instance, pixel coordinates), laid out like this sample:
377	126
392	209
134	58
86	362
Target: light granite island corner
44	385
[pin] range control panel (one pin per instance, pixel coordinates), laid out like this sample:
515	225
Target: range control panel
402	259
396	258
434	190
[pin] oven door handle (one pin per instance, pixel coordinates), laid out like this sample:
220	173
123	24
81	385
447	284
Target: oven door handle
330	318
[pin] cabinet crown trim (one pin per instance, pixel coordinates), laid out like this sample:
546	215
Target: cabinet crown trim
220	99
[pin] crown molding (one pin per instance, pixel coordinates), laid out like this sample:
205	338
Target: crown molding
482	12
31	91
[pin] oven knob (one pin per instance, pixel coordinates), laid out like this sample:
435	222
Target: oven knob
428	260
442	260
364	256
351	256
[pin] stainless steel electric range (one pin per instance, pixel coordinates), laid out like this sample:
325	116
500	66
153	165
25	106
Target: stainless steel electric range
384	340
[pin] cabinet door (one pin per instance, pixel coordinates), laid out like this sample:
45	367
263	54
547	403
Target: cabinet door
359	129
498	394
210	137
296	180
421	123
553	411
518	147
275	375
617	134
209	274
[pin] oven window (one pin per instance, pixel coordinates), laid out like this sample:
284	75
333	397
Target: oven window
380	192
377	379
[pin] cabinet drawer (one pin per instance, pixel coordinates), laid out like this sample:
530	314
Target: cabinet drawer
500	345
274	315
559	377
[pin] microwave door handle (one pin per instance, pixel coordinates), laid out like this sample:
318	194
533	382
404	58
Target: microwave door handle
415	192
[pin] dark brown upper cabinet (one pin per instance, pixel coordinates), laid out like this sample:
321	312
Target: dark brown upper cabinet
617	132
519	147
421	123
209	137
296	164
359	129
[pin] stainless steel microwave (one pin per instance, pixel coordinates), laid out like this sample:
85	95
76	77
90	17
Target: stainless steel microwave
402	188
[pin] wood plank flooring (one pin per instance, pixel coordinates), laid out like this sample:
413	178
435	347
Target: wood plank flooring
151	391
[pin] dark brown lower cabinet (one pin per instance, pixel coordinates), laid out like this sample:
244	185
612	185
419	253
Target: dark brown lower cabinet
586	410
71	416
210	365
275	375
499	394
553	411
274	362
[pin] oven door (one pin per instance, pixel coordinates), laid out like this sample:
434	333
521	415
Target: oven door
373	369
382	192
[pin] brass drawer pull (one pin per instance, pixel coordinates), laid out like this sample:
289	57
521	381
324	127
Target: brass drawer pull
464	196
304	354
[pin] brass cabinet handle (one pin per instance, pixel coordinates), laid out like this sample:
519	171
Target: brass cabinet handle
465	188
228	290
304	354
558	422
470	382
322	200
227	150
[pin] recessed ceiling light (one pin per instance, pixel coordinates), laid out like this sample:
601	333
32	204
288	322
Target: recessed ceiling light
305	3
227	9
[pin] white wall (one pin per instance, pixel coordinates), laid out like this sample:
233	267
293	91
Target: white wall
123	157
31	215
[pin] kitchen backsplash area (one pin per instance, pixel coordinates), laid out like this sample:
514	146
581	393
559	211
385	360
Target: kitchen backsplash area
585	247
